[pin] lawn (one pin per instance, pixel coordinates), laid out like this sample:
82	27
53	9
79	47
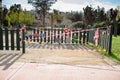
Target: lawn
116	47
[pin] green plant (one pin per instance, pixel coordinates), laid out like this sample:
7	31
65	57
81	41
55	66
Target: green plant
101	24
78	24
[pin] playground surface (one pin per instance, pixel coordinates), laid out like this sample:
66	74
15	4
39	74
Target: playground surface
57	64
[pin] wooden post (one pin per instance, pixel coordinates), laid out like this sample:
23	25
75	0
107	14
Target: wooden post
38	36
23	41
54	35
48	35
62	35
6	39
77	37
1	39
80	36
41	35
12	39
73	37
84	36
110	40
45	35
18	39
34	35
58	37
87	37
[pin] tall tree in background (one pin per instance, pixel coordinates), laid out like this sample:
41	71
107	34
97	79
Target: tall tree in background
15	16
57	16
118	14
14	13
75	16
100	14
113	15
89	15
42	6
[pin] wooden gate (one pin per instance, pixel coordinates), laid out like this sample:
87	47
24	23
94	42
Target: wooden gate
71	36
12	39
54	36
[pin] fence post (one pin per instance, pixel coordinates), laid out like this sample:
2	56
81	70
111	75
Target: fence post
1	39
110	40
23	41
6	39
38	36
62	35
84	36
18	39
33	35
12	39
80	37
87	35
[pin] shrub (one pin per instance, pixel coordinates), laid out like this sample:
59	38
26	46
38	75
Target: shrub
78	24
101	24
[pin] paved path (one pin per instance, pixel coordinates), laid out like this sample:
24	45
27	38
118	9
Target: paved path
57	64
36	71
35	45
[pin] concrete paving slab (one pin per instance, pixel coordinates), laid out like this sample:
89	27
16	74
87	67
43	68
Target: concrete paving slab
5	73
36	71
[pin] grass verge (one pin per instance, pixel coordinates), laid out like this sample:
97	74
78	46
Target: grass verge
115	54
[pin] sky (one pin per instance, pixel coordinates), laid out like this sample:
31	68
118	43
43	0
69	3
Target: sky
68	5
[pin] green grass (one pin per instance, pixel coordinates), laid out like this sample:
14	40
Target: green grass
115	52
116	47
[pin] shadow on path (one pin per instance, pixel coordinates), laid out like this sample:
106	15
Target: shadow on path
7	59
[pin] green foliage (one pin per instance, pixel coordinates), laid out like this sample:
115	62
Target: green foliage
18	16
78	24
56	17
14	18
100	24
8	20
75	16
92	15
89	15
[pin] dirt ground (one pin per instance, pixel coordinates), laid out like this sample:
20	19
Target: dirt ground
56	56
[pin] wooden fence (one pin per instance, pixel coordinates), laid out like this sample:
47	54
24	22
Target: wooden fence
12	40
105	38
15	40
74	36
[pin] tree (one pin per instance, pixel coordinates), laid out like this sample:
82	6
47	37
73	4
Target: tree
118	14
42	6
113	15
75	16
89	15
100	14
4	14
18	16
55	17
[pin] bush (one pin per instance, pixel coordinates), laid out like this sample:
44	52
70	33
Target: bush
101	24
78	24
